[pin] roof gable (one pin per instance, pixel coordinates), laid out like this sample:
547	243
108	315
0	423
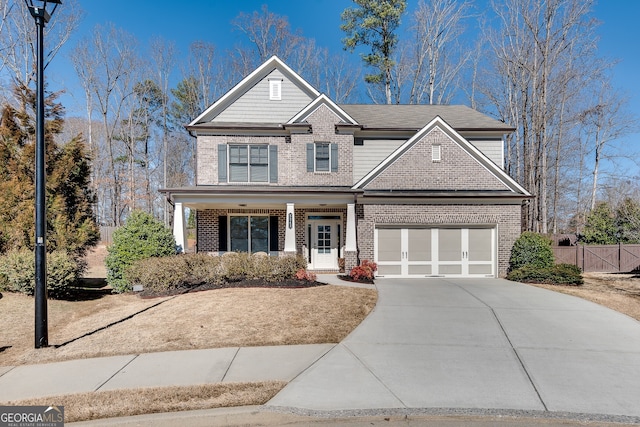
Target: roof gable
302	116
238	103
462	166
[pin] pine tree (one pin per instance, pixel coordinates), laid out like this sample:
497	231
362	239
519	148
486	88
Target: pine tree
70	220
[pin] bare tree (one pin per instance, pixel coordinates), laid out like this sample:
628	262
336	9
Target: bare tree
438	56
535	45
164	56
605	121
18	37
105	62
270	34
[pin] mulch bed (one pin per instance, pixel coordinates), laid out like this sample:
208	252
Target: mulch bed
350	279
244	283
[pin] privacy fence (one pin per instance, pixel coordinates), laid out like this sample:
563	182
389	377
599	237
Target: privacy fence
106	234
600	258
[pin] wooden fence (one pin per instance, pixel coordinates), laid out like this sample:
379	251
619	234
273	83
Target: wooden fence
600	258
106	234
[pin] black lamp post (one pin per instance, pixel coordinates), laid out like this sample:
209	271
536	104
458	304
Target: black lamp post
41	15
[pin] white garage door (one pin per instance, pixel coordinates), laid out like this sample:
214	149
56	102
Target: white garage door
420	252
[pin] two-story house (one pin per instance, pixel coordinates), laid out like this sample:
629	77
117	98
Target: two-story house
419	189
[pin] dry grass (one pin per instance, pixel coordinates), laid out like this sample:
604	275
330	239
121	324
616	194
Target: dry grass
119	403
125	324
617	291
209	319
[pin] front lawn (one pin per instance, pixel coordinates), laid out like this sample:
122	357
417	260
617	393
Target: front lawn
207	319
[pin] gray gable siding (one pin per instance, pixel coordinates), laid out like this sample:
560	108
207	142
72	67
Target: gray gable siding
254	106
371	154
414	169
493	149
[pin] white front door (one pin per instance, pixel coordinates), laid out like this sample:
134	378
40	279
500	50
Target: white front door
324	244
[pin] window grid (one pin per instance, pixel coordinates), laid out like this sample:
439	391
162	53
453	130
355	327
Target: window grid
323	163
248	163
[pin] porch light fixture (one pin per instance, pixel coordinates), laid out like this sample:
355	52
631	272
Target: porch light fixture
41	13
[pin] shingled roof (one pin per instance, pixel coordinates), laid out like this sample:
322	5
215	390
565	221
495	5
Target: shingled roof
414	117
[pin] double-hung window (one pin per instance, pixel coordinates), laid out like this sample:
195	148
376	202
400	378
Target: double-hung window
249	163
322	157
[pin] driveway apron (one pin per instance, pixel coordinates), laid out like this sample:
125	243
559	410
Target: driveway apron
478	344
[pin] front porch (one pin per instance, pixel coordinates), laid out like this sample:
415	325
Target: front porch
319	226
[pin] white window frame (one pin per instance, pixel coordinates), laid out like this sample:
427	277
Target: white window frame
436	152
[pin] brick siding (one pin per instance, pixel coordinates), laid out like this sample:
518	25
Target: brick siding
292	154
457	170
505	217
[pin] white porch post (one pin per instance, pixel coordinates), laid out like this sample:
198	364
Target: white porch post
290	229
179	226
350	241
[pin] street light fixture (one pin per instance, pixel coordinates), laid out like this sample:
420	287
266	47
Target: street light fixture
38	10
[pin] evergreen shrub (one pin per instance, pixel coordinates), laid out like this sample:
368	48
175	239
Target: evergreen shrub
17	272
559	274
141	237
531	249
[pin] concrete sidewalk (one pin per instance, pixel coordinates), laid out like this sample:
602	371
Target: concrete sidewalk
172	368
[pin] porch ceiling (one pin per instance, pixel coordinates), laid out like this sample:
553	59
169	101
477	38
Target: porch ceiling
260	198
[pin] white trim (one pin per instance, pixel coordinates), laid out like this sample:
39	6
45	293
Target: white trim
436	152
350	243
464	263
179	227
245	84
317	103
275	90
290	229
482	159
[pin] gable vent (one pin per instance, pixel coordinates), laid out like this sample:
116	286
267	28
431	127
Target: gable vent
435	153
275	90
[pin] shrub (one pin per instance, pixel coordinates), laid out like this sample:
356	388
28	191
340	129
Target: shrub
241	265
303	274
364	272
141	237
235	265
162	274
17	272
531	249
165	274
287	266
559	274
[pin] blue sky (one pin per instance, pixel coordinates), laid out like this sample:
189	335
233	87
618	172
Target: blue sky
190	20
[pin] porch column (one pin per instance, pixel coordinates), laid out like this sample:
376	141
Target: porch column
179	227
350	241
350	244
290	229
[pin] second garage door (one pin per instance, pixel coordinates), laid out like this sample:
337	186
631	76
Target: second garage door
419	251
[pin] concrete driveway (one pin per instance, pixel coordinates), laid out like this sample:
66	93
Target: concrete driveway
477	345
